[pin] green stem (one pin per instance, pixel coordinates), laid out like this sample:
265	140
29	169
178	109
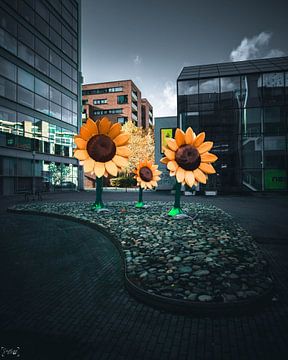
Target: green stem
140	203
176	210
99	188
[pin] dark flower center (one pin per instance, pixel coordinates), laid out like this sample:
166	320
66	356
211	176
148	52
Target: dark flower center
146	174
101	148
187	157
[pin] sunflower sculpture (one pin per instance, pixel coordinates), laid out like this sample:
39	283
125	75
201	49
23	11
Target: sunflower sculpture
102	150
188	158
146	176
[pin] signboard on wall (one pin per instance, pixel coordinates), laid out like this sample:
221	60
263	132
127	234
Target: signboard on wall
166	134
275	179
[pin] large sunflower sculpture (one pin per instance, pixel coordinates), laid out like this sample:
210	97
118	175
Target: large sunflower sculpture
102	150
147	176
188	158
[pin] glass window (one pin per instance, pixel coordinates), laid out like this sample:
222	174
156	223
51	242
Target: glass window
66	82
41	104
41	64
75	107
66	48
55	38
7	69
208	90
41	25
273	88
25	97
42	10
122	119
122	99
26	12
55	23
55	95
66	102
189	87
99	101
8	23
26	79
74	74
66	68
41	88
41	49
55	59
230	92
55	74
25	54
55	110
251	90
25	123
66	116
274	120
66	35
7	89
74	119
8	42
251	121
25	36
74	87
252	179
252	152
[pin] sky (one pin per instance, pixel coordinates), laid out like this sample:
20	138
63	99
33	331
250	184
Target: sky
150	41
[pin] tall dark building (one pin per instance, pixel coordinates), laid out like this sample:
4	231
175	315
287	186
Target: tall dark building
243	107
39	94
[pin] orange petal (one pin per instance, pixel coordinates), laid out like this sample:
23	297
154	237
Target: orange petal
206	146
123	151
172	165
180	137
81	144
115	130
99	169
120	161
172	144
121	139
189	136
157	172
200	176
85	133
104	125
208	158
199	139
91	126
164	160
207	168
189	178
111	168
81	154
154	183
169	154
180	174
89	165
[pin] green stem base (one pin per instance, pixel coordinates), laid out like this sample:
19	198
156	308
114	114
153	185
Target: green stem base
97	206
175	211
139	204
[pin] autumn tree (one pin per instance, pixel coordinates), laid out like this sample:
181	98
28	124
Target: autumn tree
141	144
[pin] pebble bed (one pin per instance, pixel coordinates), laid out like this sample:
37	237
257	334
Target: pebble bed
206	257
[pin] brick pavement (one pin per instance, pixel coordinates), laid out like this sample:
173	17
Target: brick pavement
63	298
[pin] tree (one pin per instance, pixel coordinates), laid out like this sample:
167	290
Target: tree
141	144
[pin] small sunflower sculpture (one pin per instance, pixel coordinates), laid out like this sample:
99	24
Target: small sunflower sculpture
188	159
102	150
147	176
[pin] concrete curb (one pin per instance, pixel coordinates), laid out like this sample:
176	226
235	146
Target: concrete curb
165	303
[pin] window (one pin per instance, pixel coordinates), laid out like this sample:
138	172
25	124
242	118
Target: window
55	95
55	110
41	104
7	69
55	59
25	36
25	54
99	101
25	97
84	102
41	88
41	49
55	74
115	89
66	102
25	79
7	89
122	120
102	91
122	99
110	111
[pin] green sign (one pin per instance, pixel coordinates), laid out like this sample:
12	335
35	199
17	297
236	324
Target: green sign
275	179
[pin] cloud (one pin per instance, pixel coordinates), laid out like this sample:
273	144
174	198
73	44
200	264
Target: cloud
137	60
255	48
165	101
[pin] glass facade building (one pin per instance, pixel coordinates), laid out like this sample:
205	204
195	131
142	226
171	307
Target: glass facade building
243	108
40	94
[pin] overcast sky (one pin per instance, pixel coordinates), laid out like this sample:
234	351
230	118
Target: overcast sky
150	42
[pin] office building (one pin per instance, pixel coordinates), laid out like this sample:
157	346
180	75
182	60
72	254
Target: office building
242	107
39	94
119	100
